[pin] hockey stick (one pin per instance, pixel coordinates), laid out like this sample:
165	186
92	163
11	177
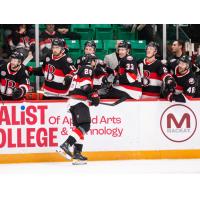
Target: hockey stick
102	103
28	59
2	101
115	103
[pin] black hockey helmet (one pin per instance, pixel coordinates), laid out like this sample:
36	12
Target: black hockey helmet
185	59
88	58
124	44
58	42
90	43
154	45
129	45
17	55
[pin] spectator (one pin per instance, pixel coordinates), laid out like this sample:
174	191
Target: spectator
21	41
64	30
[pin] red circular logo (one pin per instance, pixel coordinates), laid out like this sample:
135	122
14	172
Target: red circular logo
178	123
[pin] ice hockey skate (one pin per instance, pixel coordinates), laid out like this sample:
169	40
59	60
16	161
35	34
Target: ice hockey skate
78	159
65	151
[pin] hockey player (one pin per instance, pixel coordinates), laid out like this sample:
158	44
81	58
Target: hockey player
103	75
153	73
186	83
81	90
14	80
55	69
112	60
127	82
89	48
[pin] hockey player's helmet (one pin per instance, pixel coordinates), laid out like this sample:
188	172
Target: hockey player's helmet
90	43
88	58
17	55
185	59
124	44
58	42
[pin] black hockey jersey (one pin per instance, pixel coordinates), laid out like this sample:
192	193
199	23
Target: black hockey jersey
128	77
153	75
186	83
83	77
172	63
54	69
10	80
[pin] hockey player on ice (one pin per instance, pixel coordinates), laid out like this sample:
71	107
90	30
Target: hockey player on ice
82	95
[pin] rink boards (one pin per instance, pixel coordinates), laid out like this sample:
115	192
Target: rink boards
31	131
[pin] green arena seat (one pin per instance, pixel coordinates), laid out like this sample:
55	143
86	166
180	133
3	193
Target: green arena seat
100	53
79	26
104	34
125	34
138	55
109	44
138	44
73	44
86	33
94	26
74	54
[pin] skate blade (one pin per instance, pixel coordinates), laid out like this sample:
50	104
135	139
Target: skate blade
63	154
79	162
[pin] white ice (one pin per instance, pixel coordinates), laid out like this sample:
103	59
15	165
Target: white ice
102	167
112	180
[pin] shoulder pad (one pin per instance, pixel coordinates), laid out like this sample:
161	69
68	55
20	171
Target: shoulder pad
47	59
191	81
69	60
129	58
3	73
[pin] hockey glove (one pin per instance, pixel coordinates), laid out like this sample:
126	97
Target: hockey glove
170	82
67	80
105	80
30	70
18	93
94	98
116	80
168	87
177	98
